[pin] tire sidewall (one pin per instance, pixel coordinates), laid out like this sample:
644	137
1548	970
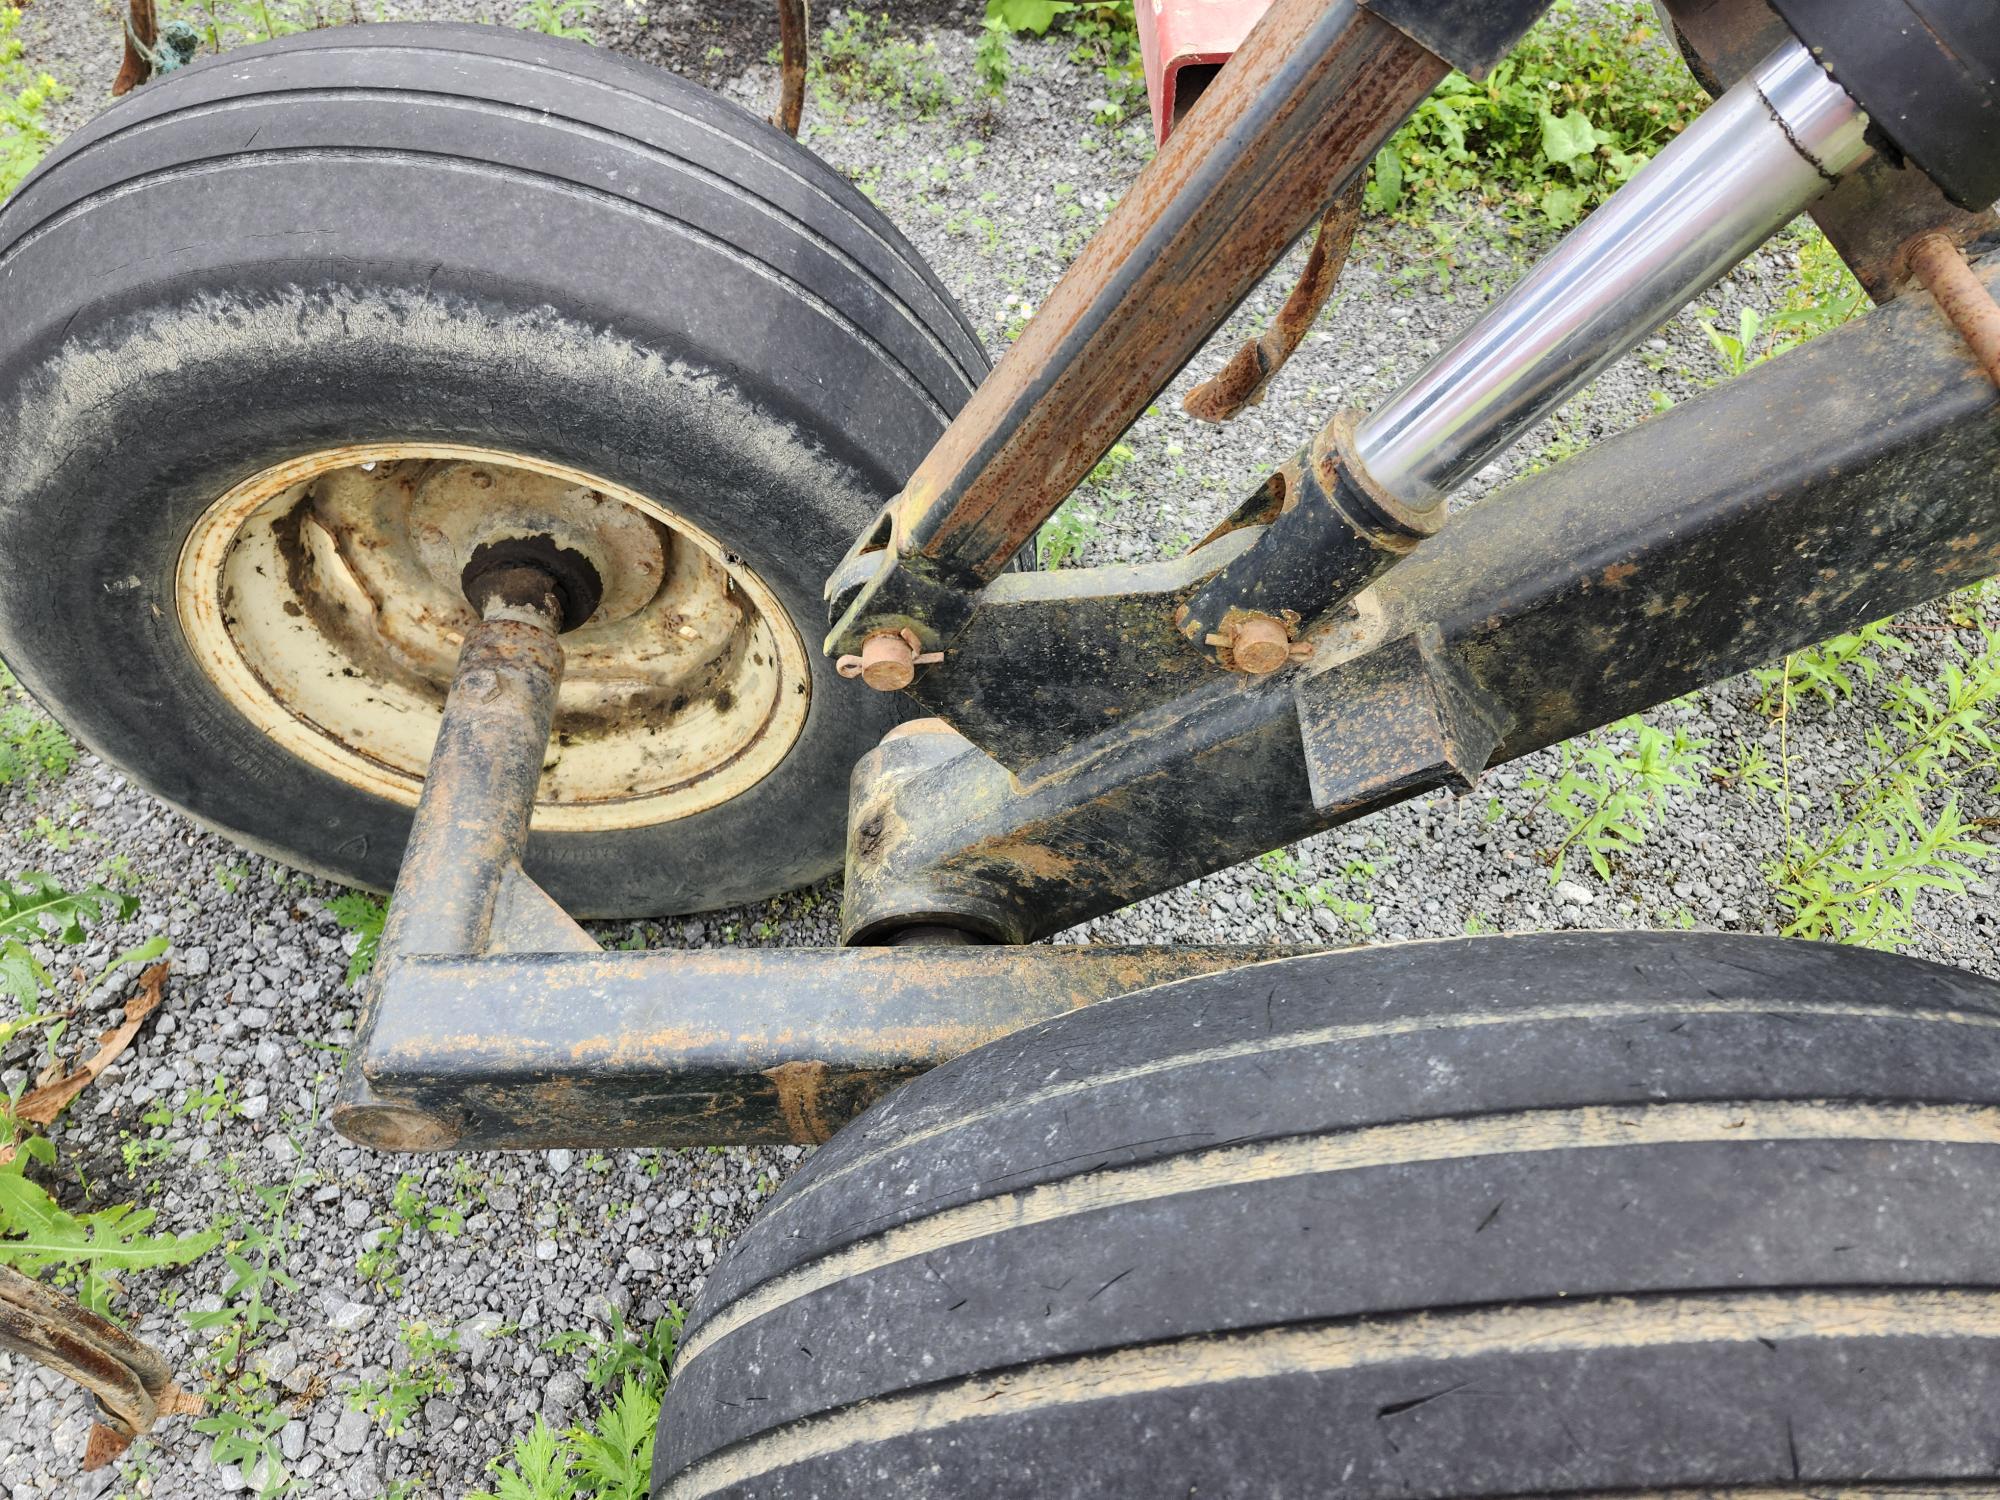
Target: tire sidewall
180	403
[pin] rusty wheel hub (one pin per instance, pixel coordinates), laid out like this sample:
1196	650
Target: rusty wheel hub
326	600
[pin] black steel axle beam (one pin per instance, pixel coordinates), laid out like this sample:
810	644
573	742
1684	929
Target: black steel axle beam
714	1046
494	1021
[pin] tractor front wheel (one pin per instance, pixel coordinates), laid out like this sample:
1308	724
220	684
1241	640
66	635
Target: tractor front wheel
292	333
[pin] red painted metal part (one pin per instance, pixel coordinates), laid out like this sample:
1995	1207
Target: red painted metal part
1181	34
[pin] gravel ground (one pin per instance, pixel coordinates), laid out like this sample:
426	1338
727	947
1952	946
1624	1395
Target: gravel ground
553	1241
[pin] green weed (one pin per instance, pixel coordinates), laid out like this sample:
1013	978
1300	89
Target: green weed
1612	791
1579	106
32	747
394	1401
558	18
245	1410
36	908
1823	295
142	1153
1735	352
222	24
1066	533
990	63
215	1102
25	131
1079	522
90	1253
58	836
381	1263
1827	671
856	60
359	912
1856	873
1336	896
417	1211
610	1457
1105	35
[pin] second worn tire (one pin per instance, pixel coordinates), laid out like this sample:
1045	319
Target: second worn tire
285	330
1571	1214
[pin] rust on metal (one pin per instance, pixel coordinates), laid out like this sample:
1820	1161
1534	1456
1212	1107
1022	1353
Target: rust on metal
142	34
1273	142
1289	124
720	1046
792	76
134	1386
1402	717
888	661
1875	213
395	1127
1242	381
468	836
1960	295
1252	643
909	727
798	1085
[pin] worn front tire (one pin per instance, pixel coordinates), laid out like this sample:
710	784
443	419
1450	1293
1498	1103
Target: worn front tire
459	239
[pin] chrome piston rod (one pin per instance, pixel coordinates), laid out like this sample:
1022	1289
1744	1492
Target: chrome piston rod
1758	156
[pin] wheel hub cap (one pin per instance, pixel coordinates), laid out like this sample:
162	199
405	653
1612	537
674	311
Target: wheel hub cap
324	598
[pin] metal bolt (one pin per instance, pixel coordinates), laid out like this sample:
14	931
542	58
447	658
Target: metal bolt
888	661
1260	646
1257	644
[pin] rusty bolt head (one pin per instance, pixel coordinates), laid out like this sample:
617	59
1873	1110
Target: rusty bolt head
888	661
888	665
1260	646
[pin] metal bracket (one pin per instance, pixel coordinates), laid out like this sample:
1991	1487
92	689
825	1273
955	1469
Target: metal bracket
1399	719
1471	35
495	1021
1853	478
1047	660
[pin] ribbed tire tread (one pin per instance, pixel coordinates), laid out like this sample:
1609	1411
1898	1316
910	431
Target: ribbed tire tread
1498	1217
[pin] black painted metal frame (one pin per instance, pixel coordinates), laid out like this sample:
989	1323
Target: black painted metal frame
1083	756
1854	477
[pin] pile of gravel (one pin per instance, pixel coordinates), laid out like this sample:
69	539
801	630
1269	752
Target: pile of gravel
998	194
